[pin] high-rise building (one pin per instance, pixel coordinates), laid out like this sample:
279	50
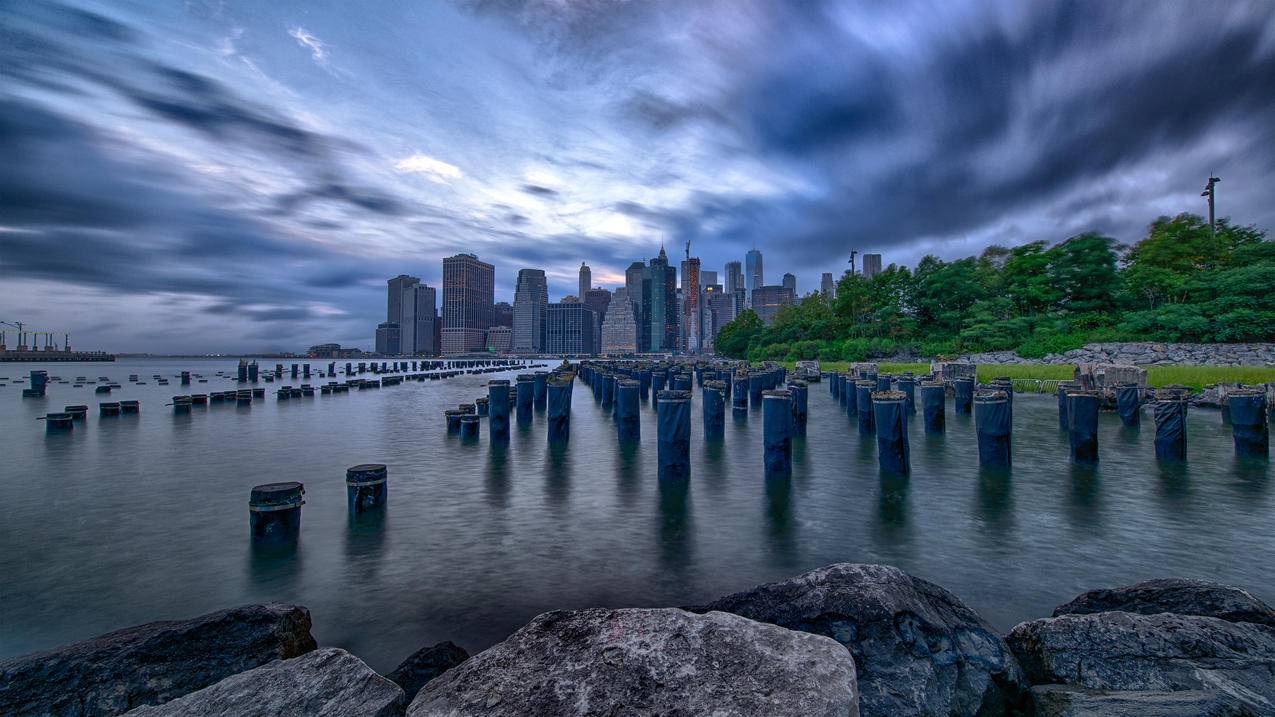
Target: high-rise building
660	305
634	277
598	299
826	286
531	307
412	308
871	265
619	328
734	277
388	341
586	280
768	300
790	282
719	310
569	329
419	324
502	314
707	277
690	305
469	297
499	339
752	273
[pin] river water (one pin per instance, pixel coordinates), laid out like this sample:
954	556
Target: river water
137	518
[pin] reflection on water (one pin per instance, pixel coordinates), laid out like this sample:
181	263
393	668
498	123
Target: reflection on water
675	541
488	534
995	498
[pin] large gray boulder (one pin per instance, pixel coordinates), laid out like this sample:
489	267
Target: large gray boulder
918	649
1175	595
1072	701
151	663
1125	651
329	682
647	662
425	664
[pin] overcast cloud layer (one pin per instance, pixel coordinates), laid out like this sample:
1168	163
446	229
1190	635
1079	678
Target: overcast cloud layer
244	176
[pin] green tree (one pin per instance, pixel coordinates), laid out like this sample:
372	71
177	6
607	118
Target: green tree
1084	273
734	338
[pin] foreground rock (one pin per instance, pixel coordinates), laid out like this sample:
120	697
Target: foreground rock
1125	651
638	662
151	663
1071	701
1174	595
425	664
917	648
325	683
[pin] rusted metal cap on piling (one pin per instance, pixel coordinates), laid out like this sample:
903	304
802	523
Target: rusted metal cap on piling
276	496
366	474
888	396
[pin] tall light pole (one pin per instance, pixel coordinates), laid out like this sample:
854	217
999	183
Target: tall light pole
1210	190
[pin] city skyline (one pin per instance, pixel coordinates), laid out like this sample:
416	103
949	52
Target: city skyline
248	175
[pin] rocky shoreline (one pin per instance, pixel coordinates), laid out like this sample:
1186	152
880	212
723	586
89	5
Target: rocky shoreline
1145	354
846	639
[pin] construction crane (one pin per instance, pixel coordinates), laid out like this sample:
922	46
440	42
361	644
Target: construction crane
25	332
853	254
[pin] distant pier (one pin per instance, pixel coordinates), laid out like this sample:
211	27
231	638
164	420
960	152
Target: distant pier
54	356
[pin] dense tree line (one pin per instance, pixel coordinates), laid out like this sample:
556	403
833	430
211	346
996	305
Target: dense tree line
1182	282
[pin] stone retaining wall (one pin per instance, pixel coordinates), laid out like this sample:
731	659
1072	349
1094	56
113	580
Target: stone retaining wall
1146	354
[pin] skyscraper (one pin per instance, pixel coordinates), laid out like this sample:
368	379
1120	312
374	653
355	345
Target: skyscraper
502	314
619	328
871	265
690	305
790	282
753	273
660	305
419	322
531	306
768	300
598	300
734	277
410	316
707	278
827	287
586	280
469	295
636	277
570	329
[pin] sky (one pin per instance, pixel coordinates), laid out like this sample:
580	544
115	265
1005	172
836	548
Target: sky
204	177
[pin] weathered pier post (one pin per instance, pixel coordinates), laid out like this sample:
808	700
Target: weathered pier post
498	409
777	433
674	434
863	405
1248	422
540	394
559	399
78	413
1082	425
525	397
274	512
890	419
1065	387
643	377
884	382
934	406
907	384
470	426
108	408
453	420
800	392
608	389
480	405
714	407
58	422
850	396
756	384
834	384
1129	404
739	394
366	486
963	394
181	404
993	424
628	417
1170	424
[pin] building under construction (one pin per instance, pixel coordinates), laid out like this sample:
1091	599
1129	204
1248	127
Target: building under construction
41	345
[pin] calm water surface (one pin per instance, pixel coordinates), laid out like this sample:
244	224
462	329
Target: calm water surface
138	518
